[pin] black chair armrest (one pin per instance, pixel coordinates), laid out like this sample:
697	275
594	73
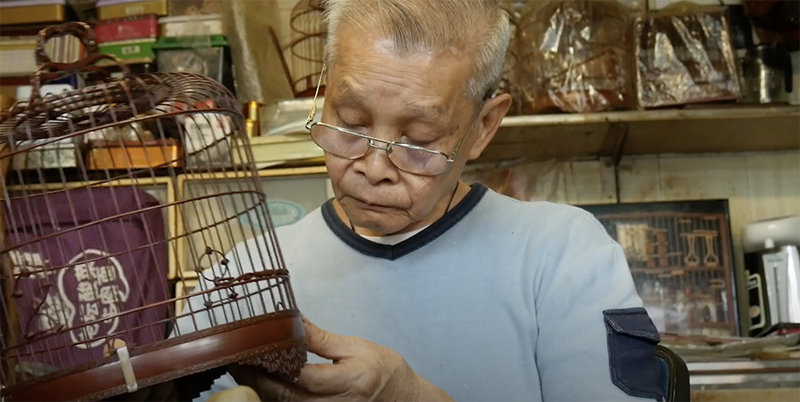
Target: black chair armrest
678	388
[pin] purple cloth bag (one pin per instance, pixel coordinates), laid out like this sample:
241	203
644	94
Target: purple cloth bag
85	258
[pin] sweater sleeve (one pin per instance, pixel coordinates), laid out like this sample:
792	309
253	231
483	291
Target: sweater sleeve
595	340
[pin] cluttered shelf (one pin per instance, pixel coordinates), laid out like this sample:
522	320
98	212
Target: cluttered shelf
552	136
705	128
691	130
636	79
678	110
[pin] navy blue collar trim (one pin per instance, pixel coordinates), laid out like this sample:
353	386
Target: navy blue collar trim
393	252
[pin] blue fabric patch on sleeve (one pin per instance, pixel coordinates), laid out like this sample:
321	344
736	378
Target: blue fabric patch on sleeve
632	339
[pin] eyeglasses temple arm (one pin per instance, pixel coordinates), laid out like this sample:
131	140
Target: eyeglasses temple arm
313	111
455	150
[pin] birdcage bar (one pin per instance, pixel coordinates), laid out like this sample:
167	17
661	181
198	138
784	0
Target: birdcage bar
85	226
214	224
256	278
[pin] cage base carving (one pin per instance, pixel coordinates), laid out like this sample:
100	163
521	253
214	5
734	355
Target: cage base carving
274	343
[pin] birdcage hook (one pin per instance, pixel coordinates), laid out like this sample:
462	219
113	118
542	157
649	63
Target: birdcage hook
48	70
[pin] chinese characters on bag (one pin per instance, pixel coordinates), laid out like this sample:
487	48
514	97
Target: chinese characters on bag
102	288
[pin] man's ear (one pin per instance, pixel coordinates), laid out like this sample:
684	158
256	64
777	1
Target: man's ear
493	113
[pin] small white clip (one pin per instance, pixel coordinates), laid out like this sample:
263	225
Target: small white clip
127	369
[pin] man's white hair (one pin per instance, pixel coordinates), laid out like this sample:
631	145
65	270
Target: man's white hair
480	29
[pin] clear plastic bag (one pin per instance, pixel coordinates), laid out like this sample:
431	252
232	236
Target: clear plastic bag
528	180
774	21
508	83
194	7
255	57
576	56
685	55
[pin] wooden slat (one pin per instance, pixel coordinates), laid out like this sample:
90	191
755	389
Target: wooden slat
748	395
698	130
546	142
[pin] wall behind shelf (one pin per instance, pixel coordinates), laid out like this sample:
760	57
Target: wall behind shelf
758	185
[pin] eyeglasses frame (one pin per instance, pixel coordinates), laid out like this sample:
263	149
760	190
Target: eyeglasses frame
309	124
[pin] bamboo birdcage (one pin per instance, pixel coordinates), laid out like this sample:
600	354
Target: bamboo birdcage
87	311
309	36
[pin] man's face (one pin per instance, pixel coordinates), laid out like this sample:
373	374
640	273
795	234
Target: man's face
417	99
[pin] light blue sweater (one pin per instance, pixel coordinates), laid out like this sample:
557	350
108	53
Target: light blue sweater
500	300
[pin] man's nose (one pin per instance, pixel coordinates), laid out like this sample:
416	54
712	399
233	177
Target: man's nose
376	166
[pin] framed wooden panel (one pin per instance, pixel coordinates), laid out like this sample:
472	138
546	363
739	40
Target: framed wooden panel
209	215
680	256
183	288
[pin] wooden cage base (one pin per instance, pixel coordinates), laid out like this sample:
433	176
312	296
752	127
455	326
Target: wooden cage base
274	343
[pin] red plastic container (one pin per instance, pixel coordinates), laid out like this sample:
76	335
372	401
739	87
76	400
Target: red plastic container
122	29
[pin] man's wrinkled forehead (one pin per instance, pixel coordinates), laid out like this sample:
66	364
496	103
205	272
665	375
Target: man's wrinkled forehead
348	93
437	79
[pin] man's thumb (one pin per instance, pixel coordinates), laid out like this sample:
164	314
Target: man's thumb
325	344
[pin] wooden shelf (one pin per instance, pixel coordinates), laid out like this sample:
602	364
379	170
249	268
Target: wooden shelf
695	130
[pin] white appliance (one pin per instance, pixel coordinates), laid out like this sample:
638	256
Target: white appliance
772	265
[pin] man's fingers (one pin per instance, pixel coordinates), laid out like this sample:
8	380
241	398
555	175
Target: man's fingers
327	344
268	388
326	379
315	379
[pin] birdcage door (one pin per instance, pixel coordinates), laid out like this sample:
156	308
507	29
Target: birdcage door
292	194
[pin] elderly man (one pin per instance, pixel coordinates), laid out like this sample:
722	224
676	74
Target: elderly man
425	288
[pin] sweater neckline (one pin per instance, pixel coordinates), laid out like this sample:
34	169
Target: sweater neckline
407	246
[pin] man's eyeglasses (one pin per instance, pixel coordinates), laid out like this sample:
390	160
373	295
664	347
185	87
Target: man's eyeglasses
348	144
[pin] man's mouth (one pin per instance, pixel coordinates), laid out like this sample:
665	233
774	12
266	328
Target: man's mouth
365	204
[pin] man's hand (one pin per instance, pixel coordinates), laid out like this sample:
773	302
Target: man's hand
361	371
238	394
